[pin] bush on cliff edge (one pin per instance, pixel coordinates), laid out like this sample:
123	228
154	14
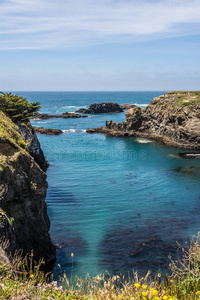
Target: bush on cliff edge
17	107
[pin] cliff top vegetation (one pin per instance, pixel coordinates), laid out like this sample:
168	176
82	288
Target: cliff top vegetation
17	107
185	98
9	131
22	279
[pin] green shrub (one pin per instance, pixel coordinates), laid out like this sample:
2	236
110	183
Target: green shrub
17	107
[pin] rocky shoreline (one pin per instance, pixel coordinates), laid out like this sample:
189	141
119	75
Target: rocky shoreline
49	131
66	115
173	119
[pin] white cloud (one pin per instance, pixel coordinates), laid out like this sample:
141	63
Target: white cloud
61	24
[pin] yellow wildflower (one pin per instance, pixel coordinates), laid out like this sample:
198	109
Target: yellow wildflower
72	254
144	286
144	294
137	285
32	276
156	298
165	297
155	293
198	293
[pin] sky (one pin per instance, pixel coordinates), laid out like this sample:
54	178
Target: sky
99	45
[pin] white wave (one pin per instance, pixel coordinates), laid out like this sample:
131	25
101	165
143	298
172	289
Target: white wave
141	105
74	130
192	155
74	106
42	122
143	141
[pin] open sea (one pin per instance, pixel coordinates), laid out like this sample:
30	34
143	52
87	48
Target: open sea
118	204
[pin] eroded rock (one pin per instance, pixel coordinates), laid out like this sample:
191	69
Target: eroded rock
24	221
173	119
101	108
49	131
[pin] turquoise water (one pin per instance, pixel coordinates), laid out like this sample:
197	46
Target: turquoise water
119	204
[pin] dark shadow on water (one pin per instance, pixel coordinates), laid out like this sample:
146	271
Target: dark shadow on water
143	248
58	197
188	170
67	243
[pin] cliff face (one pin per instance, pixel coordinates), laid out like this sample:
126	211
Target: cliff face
30	137
23	210
173	118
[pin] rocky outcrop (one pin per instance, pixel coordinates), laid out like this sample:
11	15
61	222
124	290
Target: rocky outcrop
173	119
127	106
49	131
65	115
23	211
101	108
30	137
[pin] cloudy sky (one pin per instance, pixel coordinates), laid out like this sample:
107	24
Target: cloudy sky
110	45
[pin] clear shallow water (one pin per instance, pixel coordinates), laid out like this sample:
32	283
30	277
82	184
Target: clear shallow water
119	204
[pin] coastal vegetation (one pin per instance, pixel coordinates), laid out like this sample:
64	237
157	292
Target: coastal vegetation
17	107
21	278
9	131
185	97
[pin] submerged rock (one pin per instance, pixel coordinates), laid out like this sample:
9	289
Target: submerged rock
24	220
173	119
101	108
49	131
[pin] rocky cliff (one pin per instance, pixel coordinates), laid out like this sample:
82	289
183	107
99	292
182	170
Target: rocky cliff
23	210
173	118
30	137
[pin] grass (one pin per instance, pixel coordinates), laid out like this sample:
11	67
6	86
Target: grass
22	279
185	98
9	131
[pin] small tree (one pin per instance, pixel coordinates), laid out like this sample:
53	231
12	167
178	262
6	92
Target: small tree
17	107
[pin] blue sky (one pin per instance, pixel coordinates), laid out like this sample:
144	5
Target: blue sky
90	45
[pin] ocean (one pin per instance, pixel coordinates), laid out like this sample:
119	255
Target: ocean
120	205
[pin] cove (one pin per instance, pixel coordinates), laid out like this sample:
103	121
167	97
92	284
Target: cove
119	204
